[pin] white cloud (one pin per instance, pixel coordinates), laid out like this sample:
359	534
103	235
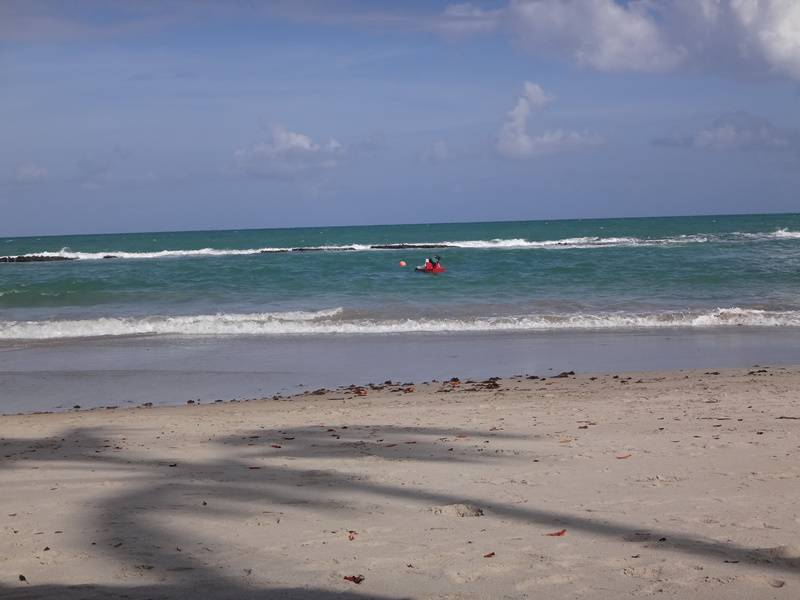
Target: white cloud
601	34
774	27
514	140
752	36
534	96
458	20
29	173
288	154
737	131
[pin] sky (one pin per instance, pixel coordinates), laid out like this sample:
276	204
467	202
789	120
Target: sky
191	114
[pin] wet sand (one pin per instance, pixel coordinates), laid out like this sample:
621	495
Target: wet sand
680	484
57	375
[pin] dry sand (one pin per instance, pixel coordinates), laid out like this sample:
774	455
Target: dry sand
680	485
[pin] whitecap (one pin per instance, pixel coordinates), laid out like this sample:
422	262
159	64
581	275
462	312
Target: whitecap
333	321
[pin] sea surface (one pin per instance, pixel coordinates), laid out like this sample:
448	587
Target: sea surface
164	318
609	274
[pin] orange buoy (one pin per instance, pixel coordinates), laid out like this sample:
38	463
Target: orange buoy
403	263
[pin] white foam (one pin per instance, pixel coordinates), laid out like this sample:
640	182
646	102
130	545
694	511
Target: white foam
785	233
330	321
496	244
778	234
578	242
517	243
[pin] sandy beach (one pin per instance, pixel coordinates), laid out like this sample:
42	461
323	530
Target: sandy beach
678	484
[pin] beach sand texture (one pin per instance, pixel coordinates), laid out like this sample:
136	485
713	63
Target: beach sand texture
677	485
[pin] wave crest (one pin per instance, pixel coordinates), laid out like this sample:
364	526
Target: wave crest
585	242
785	233
507	244
331	321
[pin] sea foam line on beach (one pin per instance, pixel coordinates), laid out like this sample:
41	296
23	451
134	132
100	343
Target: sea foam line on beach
334	321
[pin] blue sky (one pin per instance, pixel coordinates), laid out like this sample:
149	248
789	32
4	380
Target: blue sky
131	116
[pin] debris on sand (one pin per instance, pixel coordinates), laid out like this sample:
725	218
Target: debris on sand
458	510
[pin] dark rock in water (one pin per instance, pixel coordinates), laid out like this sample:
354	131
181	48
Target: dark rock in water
32	258
281	251
563	374
408	246
344	248
110	256
533	377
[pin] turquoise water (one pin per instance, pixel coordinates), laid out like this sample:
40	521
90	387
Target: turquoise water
693	272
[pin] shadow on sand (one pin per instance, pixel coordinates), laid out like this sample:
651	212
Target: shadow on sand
164	487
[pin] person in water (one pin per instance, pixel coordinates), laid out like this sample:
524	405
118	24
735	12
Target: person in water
431	265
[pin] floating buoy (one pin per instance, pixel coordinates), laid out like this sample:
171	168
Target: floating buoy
403	263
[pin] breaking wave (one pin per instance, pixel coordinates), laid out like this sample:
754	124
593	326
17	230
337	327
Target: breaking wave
332	321
495	244
785	233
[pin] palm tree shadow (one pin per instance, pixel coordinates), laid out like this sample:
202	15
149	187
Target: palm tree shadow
230	487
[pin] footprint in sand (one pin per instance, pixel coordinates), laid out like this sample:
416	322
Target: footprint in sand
770	581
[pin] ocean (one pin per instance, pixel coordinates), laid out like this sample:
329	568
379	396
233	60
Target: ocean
607	274
163	318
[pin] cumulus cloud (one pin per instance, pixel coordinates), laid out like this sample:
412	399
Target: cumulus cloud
602	34
288	154
736	131
514	140
772	27
752	36
29	173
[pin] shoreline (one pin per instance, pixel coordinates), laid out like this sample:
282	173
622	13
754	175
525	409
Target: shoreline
131	371
677	483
